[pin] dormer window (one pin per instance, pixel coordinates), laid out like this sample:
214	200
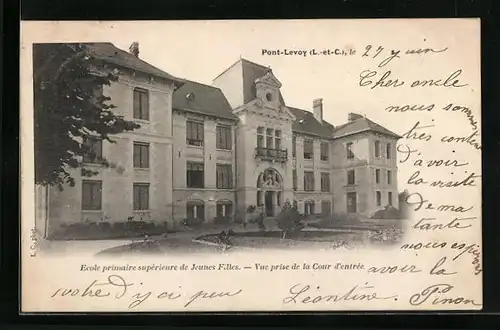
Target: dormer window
269	96
190	96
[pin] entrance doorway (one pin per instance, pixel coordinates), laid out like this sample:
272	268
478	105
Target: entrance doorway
268	202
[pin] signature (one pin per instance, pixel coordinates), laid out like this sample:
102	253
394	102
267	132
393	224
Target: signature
305	294
437	294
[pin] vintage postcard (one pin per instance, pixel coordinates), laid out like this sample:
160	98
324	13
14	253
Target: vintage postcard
293	165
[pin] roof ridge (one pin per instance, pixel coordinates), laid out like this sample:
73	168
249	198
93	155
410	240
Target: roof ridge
257	64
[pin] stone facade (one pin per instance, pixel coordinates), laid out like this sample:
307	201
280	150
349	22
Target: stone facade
271	155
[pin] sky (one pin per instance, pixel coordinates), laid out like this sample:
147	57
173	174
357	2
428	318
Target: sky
200	50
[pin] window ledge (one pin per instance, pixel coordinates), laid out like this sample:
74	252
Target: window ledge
141	169
142	121
194	146
219	149
91	211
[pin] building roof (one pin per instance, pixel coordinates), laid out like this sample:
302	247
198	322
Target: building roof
306	123
204	99
108	52
361	125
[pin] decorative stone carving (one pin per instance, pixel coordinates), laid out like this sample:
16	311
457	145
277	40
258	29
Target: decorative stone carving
269	179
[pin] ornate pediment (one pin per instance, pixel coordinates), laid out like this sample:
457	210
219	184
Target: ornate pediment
269	79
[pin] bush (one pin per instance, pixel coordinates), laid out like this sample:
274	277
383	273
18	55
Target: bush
388	212
289	220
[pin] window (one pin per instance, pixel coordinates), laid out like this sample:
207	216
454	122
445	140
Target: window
224	209
277	140
194	133
141	104
351	177
224	176
224	140
350	154
141	155
377	148
379	198
94	155
308	149
377	176
269	138
324	148
141	196
325	182
195	175
260	141
294	146
388	151
91	195
309	207
389	177
294	179
326	207
195	210
389	198
351	202
309	181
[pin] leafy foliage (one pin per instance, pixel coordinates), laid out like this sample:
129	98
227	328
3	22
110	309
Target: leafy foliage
69	110
289	220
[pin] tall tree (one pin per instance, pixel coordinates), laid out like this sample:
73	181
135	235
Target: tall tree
70	111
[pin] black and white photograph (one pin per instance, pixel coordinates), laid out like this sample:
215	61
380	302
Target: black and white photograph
341	143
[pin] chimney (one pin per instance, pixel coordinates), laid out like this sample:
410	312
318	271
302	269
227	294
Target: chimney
318	109
353	116
134	49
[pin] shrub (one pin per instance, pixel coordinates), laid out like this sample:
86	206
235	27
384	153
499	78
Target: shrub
389	212
289	220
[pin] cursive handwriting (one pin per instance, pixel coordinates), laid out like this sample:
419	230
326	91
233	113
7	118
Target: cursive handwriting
388	55
420	203
356	293
200	295
434	294
469	181
437	269
116	287
408	152
394	269
114	284
427	225
373	79
465	110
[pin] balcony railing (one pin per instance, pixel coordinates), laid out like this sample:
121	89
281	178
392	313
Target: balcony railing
280	155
